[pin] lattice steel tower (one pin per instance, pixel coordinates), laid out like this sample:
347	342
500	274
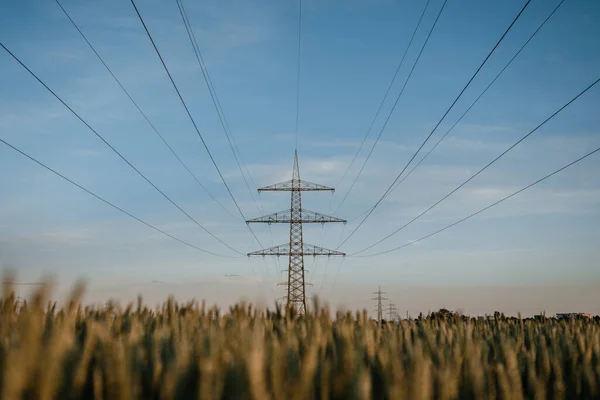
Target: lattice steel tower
379	300
296	249
392	311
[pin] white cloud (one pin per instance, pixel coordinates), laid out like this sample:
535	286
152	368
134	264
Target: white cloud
79	236
486	194
86	153
337	144
431	181
323	170
454	144
28	115
482	129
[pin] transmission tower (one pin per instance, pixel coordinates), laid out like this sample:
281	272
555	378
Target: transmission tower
296	249
392	311
379	300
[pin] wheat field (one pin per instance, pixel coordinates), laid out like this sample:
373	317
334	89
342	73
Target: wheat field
191	351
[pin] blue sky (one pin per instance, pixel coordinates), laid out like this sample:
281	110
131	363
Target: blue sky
540	247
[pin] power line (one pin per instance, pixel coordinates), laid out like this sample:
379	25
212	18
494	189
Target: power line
479	97
222	118
387	92
395	103
488	207
325	272
109	203
116	151
190	116
323	231
221	114
213	94
185	106
298	70
438	124
484	168
337	275
469	108
142	112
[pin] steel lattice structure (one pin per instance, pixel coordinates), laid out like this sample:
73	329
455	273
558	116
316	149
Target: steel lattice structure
296	249
379	300
392	312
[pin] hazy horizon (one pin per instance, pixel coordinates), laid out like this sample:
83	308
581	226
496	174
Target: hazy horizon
528	300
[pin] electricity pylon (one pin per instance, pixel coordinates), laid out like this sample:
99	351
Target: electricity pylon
392	311
296	249
379	299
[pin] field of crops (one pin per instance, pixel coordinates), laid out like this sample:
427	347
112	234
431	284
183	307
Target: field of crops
187	351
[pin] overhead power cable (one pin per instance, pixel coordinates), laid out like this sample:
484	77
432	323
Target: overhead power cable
478	97
335	278
215	99
298	70
389	189
223	120
482	169
190	116
221	114
488	207
387	92
142	112
111	204
117	152
471	106
395	104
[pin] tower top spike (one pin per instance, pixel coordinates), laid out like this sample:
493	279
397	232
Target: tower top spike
296	172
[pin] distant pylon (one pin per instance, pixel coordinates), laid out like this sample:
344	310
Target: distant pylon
379	300
392	311
296	249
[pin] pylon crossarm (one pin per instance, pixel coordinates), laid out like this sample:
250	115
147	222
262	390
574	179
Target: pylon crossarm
295	184
304	216
307	250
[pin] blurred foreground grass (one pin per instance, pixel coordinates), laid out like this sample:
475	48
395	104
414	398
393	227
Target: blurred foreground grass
188	351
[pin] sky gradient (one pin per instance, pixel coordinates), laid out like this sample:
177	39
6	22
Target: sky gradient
536	251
